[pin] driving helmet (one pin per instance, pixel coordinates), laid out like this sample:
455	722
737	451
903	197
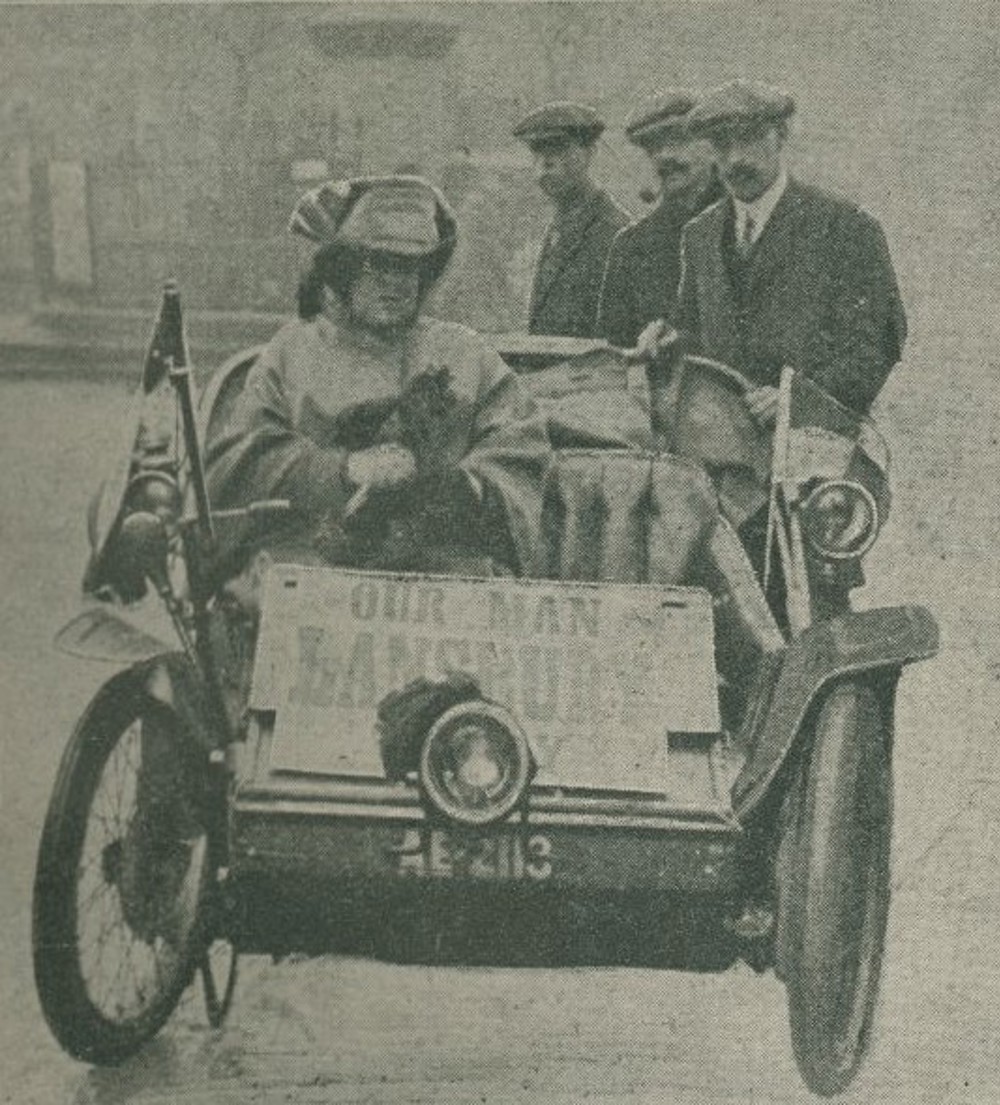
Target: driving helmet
403	215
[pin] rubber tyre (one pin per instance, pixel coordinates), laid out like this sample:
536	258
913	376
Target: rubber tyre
834	886
83	1028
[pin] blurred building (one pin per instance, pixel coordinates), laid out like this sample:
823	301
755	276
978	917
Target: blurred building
138	141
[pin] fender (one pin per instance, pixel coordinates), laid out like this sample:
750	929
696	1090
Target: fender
103	632
171	680
868	641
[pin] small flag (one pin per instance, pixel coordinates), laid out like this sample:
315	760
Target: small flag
822	439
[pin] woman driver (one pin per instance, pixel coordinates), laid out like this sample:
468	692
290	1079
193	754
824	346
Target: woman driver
401	441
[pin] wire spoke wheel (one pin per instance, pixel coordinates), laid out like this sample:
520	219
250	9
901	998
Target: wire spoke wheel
123	871
834	887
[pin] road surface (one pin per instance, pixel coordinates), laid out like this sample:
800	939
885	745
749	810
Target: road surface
344	1030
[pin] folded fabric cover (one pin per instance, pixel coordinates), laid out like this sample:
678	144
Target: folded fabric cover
625	516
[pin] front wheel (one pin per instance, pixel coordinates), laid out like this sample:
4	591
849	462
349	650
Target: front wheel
122	876
833	874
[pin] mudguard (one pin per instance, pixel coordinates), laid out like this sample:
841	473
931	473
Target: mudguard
171	680
103	632
881	640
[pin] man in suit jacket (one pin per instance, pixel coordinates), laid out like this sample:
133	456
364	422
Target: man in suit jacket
640	281
780	273
567	281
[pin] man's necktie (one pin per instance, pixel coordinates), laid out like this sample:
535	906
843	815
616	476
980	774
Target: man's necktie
746	239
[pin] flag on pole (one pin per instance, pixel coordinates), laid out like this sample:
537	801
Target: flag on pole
146	439
817	438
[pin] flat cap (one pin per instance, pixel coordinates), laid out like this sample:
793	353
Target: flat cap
661	115
560	119
739	103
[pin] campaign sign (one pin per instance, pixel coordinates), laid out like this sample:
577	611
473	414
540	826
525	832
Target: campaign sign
598	674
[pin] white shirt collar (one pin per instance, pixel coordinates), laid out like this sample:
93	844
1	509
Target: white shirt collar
760	209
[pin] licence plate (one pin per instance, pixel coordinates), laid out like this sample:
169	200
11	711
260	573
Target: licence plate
499	857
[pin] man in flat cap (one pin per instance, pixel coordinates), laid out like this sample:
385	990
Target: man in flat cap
780	273
640	282
567	281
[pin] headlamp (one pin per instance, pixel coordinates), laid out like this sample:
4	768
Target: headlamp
840	519
154	492
475	764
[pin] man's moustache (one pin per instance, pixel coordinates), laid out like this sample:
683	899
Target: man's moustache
665	167
741	172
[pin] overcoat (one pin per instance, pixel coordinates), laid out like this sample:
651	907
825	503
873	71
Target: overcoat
324	388
818	292
567	282
643	269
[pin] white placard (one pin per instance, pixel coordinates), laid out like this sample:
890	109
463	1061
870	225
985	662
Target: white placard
597	674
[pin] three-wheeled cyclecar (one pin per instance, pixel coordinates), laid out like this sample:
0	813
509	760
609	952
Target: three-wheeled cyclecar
657	751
